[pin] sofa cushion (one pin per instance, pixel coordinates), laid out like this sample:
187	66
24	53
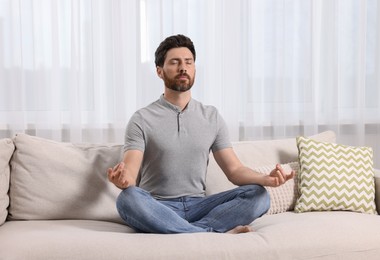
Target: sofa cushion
56	180
282	198
335	177
6	151
312	235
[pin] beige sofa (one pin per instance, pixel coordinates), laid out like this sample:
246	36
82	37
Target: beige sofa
56	203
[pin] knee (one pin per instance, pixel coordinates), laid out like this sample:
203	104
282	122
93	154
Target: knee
264	199
128	197
259	196
254	190
130	191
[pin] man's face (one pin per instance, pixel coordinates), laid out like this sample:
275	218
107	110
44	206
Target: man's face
178	71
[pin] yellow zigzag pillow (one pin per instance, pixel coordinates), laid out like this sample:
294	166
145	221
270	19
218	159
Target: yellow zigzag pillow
335	177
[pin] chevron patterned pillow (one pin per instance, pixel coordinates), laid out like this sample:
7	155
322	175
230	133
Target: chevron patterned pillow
335	177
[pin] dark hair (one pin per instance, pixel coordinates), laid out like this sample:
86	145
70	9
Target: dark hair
175	41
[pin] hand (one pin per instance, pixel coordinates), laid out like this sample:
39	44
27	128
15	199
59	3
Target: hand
117	175
278	176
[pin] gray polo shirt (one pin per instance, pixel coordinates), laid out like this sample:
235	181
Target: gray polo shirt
176	146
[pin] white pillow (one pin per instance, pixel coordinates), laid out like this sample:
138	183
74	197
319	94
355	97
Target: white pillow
283	198
6	151
56	180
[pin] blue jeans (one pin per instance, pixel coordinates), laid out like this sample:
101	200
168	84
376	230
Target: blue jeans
216	213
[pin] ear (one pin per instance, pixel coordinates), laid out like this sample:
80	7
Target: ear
159	71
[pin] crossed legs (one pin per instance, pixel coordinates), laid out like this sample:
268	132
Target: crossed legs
230	211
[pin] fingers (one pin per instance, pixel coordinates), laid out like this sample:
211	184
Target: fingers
281	175
121	172
291	175
110	174
121	166
122	178
115	167
116	174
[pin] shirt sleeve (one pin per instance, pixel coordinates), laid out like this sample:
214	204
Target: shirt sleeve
222	139
134	134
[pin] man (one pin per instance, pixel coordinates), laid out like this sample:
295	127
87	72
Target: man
167	144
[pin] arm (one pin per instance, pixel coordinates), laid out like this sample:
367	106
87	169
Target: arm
238	174
125	173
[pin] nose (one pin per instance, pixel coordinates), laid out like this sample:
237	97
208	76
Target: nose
182	71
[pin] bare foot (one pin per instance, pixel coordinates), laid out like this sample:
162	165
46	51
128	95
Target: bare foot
240	229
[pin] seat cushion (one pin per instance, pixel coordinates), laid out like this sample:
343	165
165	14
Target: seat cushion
321	235
312	235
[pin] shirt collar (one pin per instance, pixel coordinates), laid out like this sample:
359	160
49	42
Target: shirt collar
169	105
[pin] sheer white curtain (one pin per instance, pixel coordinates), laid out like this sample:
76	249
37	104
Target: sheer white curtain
76	70
69	70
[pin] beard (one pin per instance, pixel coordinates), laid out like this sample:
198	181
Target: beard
178	85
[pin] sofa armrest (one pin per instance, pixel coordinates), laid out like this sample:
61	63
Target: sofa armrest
377	189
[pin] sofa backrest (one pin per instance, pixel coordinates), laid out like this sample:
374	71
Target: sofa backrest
56	180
